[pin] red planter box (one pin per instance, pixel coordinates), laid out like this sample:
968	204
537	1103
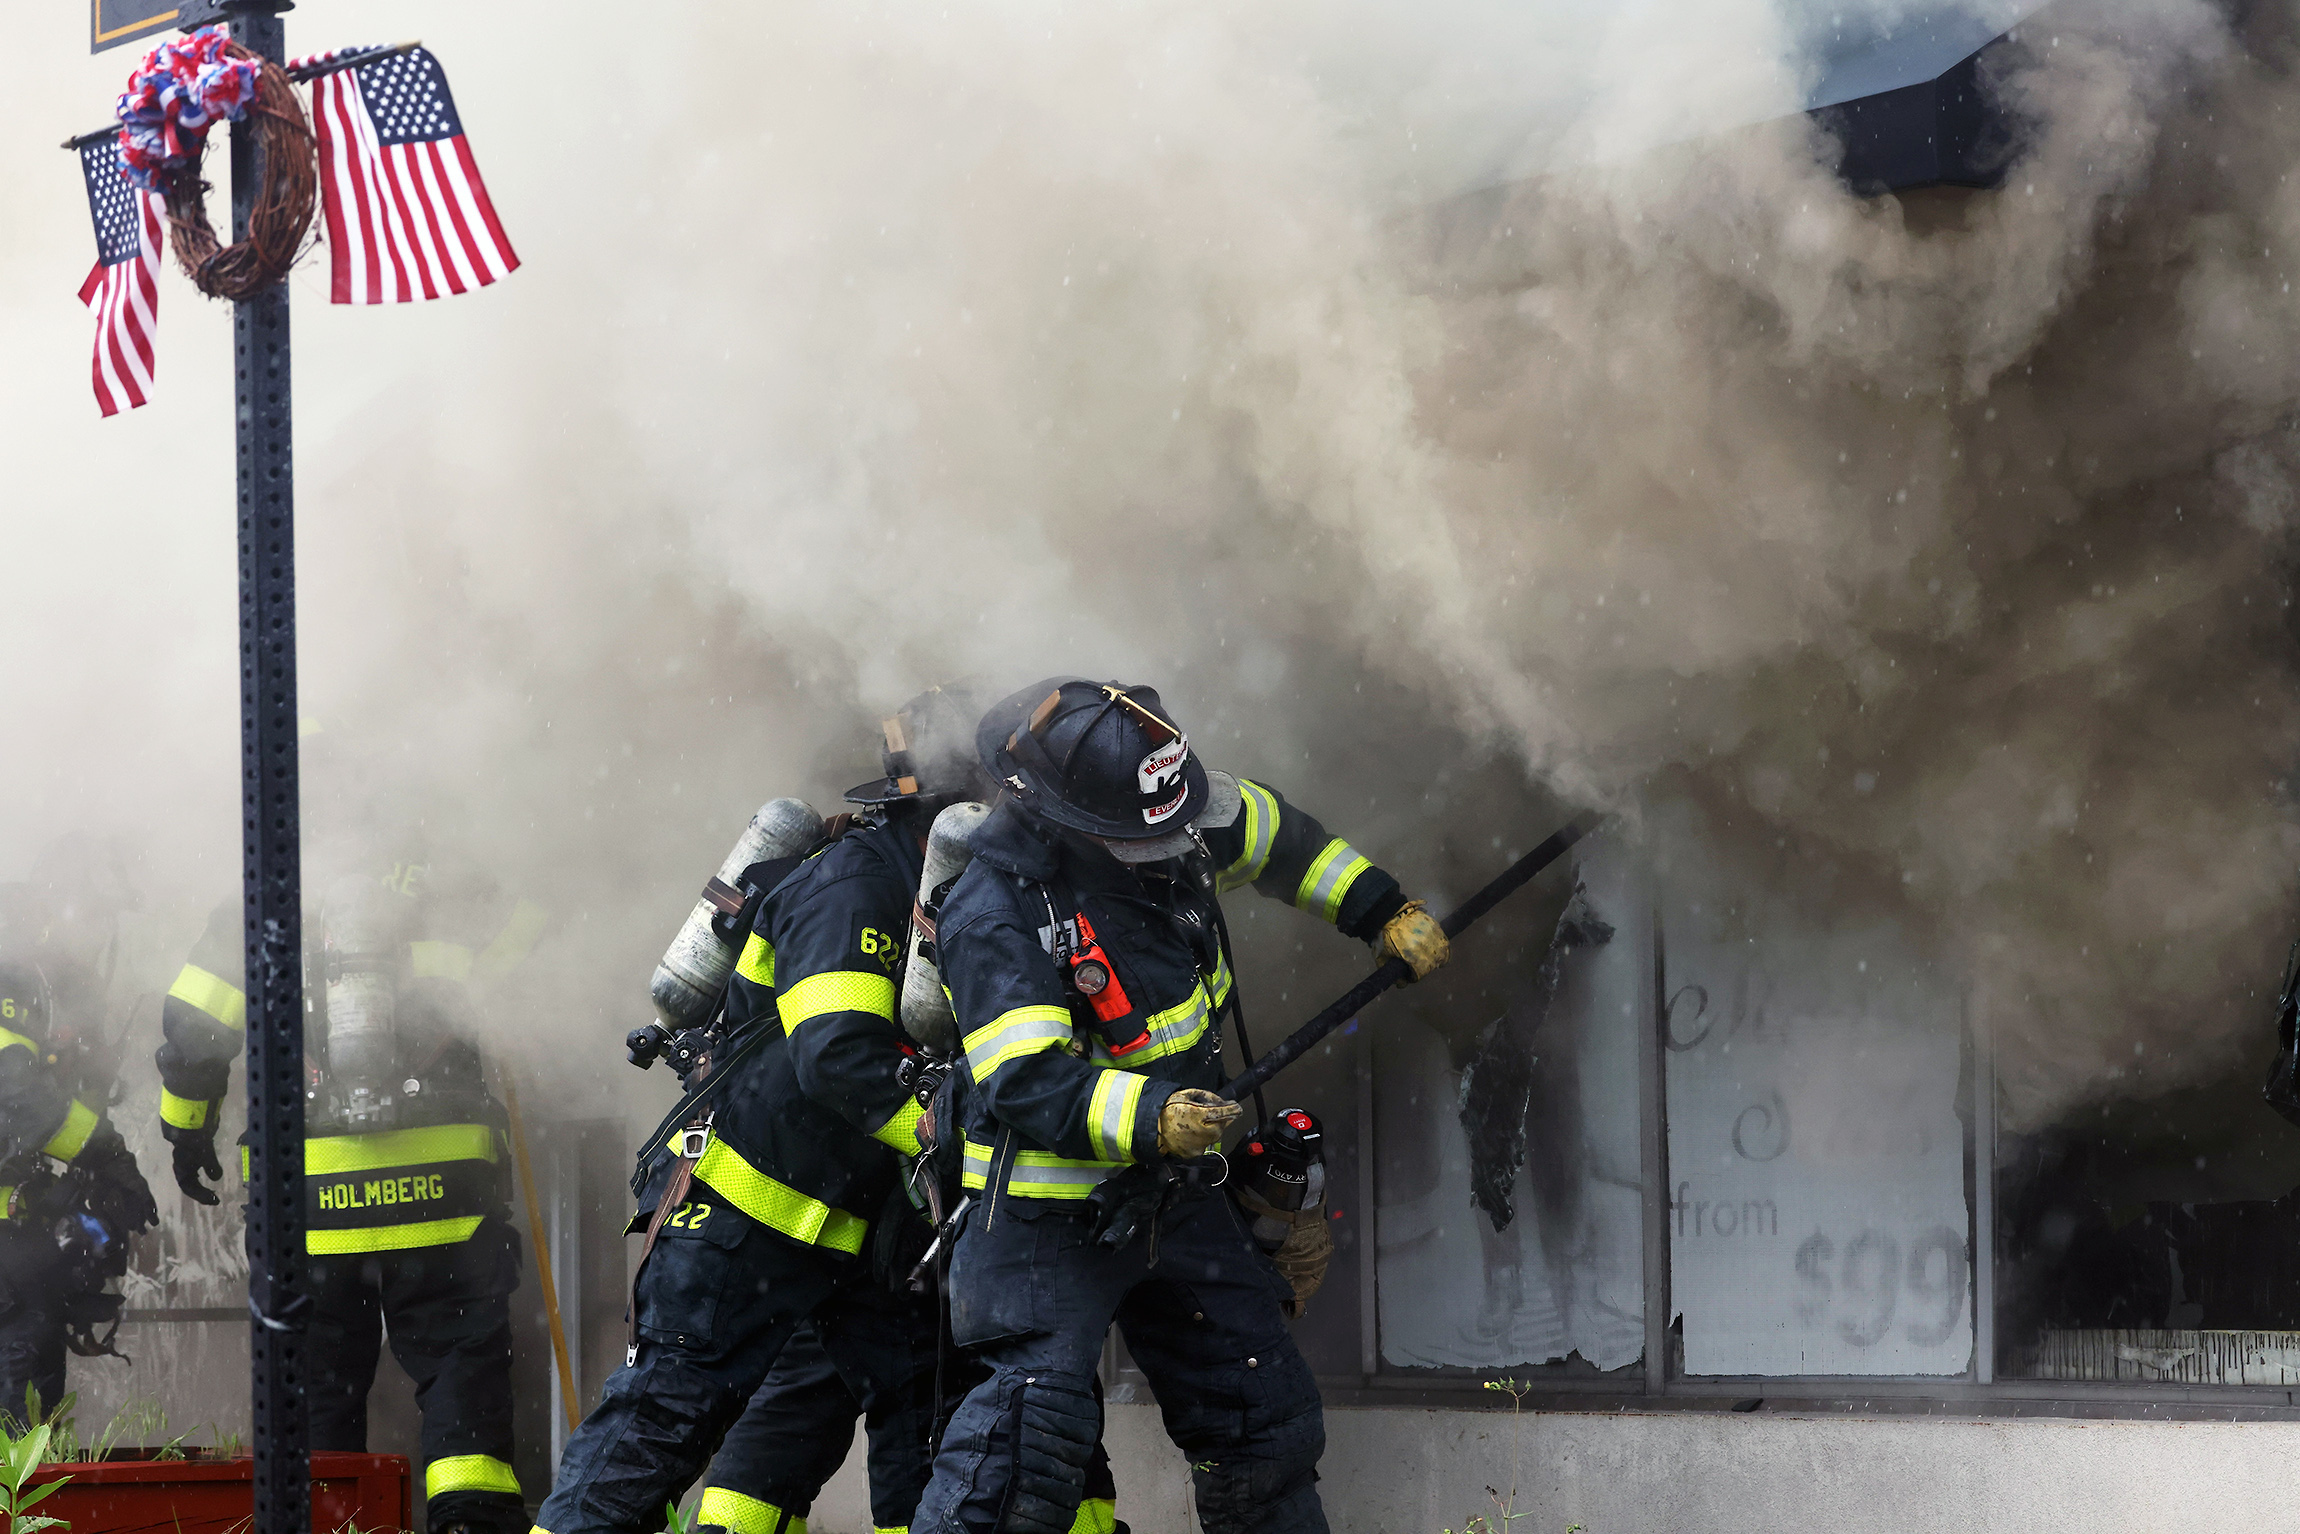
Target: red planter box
367	1492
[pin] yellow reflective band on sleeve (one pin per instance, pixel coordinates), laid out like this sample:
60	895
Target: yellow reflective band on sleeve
513	943
1328	882
335	1155
212	994
390	1238
890	1528
16	1041
738	1514
79	1123
439	961
901	1131
835	990
1012	1035
1110	1113
1036	1173
757	965
468	1472
1096	1515
1261	834
182	1112
777	1205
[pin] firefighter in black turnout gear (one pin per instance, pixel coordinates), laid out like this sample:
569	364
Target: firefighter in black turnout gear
70	1192
773	1200
406	1168
1088	966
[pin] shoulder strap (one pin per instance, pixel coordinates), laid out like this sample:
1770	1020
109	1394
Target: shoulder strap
674	1194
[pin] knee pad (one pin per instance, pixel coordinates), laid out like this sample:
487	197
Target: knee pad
1053	1421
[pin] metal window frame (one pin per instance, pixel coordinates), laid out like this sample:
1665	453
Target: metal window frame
1978	1392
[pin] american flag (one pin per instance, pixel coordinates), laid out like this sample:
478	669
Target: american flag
407	215
124	286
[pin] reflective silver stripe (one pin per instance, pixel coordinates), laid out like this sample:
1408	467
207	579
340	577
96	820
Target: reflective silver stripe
1013	1034
1331	874
1261	833
1110	1113
1173	1030
1036	1173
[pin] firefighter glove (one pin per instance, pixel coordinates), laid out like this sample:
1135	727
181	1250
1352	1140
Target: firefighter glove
1192	1122
194	1154
1302	1260
1415	936
120	1197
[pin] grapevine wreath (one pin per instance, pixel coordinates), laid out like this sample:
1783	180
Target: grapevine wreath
183	88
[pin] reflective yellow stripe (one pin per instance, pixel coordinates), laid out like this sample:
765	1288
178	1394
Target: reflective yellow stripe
1327	883
1110	1113
79	1123
777	1205
182	1112
1096	1515
513	943
212	994
439	961
1036	1173
738	1514
901	1131
835	990
1011	1035
890	1528
757	965
16	1041
1176	1029
334	1155
1261	834
390	1238
468	1472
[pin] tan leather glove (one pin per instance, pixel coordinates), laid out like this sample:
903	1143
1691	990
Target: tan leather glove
1302	1260
1415	936
1192	1121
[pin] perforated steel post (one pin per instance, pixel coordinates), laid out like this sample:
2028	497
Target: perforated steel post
272	872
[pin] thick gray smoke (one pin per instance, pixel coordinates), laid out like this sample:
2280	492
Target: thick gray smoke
1474	401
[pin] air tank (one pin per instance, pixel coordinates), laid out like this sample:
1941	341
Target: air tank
925	1009
361	921
693	973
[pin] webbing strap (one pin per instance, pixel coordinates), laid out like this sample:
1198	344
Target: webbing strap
777	1205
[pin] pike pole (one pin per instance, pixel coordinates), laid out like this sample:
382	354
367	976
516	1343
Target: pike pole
272	873
1298	1043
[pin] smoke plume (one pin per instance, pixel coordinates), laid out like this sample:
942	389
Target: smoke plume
1454	421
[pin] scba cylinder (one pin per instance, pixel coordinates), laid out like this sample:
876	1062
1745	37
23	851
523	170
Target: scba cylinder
926	1014
361	920
694	969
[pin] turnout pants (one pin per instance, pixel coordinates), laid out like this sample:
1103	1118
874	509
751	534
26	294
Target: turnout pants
794	1434
31	1321
1035	1297
448	1312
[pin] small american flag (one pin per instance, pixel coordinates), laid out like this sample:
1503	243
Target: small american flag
407	215
124	286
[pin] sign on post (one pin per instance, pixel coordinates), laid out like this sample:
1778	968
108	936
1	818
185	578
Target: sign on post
113	22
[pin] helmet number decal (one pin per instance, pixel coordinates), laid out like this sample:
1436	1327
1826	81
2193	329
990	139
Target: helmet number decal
1160	778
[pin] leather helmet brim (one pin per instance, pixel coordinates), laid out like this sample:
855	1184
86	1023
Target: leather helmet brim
1009	714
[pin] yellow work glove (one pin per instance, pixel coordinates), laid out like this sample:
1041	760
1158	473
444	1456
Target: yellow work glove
1192	1121
1414	936
1302	1260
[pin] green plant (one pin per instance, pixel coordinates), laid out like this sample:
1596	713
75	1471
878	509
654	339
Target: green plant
1505	1510
27	1451
673	1521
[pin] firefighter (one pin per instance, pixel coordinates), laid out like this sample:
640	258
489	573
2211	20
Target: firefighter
774	1199
71	1195
1088	967
407	1197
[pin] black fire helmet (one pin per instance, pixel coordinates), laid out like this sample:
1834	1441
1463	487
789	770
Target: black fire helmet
928	750
1099	758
